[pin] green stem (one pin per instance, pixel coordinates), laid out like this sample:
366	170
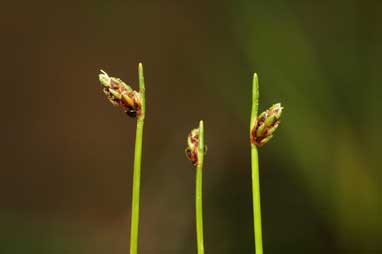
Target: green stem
198	190
255	101
256	200
137	168
255	171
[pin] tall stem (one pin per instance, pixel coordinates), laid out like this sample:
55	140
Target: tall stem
198	191
137	168
256	200
255	171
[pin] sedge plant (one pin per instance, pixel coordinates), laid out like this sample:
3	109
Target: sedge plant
262	128
133	104
195	152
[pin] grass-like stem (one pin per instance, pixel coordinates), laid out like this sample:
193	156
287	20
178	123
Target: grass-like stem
198	191
255	171
137	167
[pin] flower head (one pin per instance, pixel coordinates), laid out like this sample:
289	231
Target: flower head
121	95
265	125
192	146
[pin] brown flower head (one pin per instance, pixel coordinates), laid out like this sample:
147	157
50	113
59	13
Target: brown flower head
265	125
192	146
121	95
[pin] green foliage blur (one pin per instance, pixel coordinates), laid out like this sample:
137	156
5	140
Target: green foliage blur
67	154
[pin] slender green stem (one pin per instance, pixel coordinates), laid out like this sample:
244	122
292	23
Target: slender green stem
255	171
256	200
142	90
198	190
137	168
255	101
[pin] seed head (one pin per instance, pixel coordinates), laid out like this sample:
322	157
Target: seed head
265	125
121	95
192	146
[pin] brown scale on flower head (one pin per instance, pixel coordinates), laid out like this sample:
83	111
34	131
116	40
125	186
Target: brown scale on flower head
134	109
192	156
265	124
121	95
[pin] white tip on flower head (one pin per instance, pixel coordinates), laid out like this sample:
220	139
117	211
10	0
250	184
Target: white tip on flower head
104	78
104	72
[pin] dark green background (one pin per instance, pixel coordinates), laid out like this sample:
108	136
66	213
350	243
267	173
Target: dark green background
67	154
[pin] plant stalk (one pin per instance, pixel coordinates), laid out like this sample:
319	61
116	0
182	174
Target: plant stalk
198	191
256	200
255	171
137	167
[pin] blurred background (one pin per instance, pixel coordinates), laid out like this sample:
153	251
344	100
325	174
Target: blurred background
67	153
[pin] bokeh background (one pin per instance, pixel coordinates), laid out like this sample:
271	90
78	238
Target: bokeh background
67	154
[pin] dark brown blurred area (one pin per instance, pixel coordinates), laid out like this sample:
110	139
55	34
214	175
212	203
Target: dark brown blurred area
67	153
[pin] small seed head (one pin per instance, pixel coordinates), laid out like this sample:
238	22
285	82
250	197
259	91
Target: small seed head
266	124
121	95
192	146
